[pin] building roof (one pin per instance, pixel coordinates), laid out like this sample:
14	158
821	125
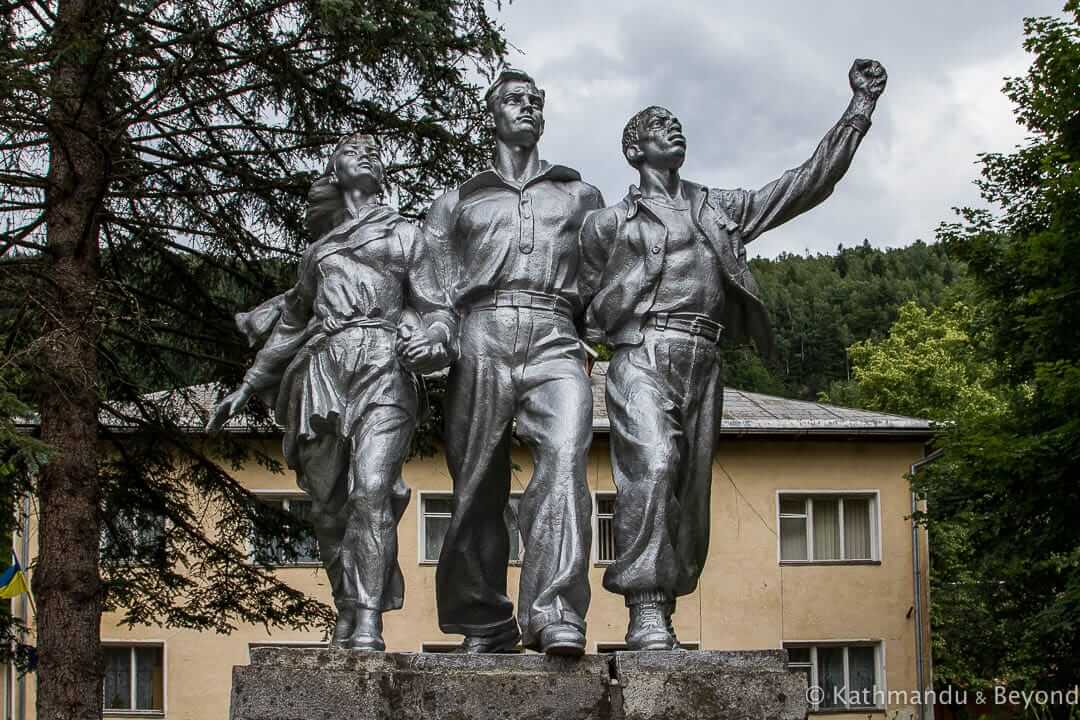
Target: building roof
745	413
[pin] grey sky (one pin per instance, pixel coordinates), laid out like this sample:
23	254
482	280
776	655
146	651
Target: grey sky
756	85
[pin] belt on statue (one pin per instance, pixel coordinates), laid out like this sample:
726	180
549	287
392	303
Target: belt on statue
691	323
529	299
331	327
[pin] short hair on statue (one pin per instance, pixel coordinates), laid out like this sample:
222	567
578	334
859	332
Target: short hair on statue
632	131
506	75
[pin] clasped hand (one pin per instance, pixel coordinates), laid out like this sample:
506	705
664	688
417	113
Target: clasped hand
421	351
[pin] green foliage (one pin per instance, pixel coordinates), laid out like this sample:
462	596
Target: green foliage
1002	371
1015	475
927	367
821	304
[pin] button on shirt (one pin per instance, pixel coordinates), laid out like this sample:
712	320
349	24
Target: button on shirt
502	235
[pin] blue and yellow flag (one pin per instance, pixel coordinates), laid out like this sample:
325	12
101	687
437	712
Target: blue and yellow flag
12	580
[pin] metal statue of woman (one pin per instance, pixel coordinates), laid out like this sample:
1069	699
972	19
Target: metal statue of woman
343	386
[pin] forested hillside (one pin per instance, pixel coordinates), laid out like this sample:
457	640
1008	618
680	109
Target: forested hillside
820	305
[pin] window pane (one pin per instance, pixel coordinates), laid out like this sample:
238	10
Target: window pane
266	548
133	536
605	528
306	550
826	529
117	678
793	538
149	679
798	655
512	528
439	505
792	506
830	671
857	529
434	532
861	675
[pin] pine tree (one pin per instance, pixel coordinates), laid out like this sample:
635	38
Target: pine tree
156	158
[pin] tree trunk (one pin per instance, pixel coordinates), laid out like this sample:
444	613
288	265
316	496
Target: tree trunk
67	580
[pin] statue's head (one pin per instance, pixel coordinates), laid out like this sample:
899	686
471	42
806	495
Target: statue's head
517	106
356	163
654	137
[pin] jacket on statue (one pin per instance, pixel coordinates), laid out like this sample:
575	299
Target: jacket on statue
624	246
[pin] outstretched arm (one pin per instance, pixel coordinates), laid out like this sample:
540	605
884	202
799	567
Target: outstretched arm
287	336
806	186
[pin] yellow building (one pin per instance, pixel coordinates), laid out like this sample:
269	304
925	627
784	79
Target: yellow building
812	549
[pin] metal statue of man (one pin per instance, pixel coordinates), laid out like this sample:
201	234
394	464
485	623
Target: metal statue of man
510	237
669	267
333	365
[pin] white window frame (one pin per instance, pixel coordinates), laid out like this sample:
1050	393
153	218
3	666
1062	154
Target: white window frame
874	496
880	689
596	525
285	496
131	645
421	523
421	526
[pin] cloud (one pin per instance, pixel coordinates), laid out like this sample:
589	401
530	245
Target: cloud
757	85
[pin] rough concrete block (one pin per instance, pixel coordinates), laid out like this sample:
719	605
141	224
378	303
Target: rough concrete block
307	684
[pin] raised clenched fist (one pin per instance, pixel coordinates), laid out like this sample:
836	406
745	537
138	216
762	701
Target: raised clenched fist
868	77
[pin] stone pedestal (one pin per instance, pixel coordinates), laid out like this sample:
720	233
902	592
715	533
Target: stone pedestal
305	684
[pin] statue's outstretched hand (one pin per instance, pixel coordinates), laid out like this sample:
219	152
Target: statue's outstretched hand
230	405
868	77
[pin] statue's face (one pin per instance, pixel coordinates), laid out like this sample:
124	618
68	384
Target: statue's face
661	142
357	165
519	113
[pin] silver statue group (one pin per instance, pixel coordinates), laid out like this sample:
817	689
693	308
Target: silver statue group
511	273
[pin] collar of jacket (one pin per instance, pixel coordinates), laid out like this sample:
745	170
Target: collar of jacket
372	222
491	178
699	196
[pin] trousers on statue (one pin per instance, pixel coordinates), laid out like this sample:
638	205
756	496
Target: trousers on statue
522	365
665	400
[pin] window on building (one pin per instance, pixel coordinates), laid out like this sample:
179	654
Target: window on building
824	528
436	509
133	536
848	676
274	550
605	528
134	678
